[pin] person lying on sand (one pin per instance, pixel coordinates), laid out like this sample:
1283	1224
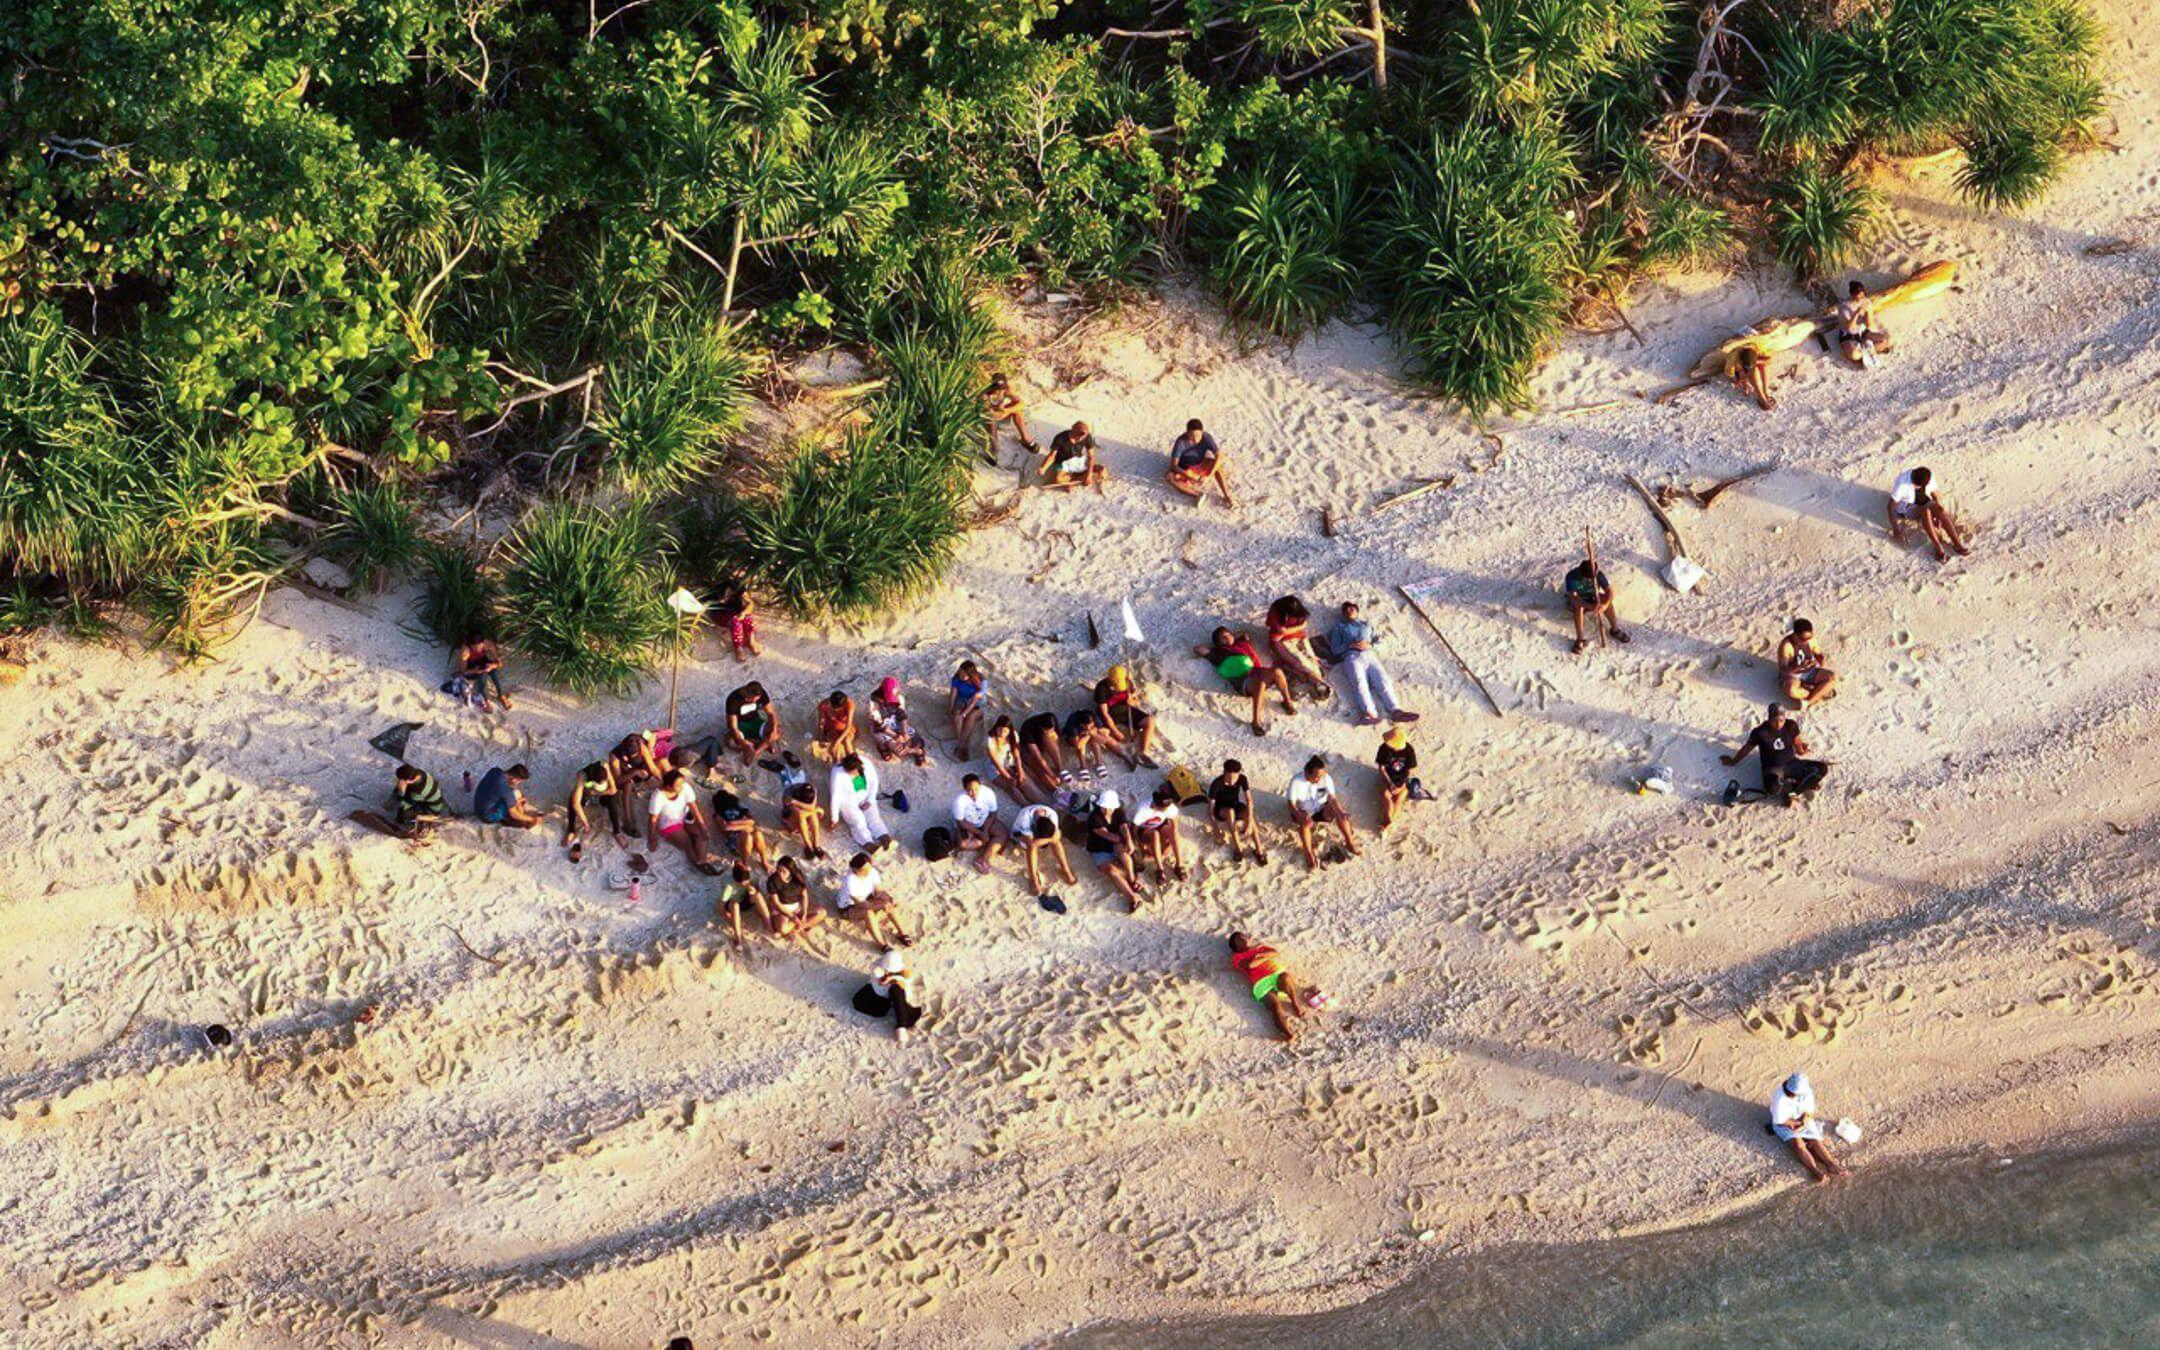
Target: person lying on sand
416	799
789	908
1002	405
1860	337
835	739
1110	847
976	827
1589	596
1155	826
1784	773
739	893
1313	800
481	665
893	991
500	798
1037	829
863	898
965	706
1801	674
1230	806
1792	1119
1290	639
753	728
1195	462
674	815
1070	461
1351	644
1750	372
1001	746
1125	726
1397	761
1272	984
1239	664
1913	502
895	735
852	800
596	785
1042	752
745	839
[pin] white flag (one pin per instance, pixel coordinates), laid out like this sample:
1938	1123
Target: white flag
1132	624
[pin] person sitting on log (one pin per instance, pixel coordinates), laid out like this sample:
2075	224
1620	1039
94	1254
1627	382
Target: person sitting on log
1750	374
1860	337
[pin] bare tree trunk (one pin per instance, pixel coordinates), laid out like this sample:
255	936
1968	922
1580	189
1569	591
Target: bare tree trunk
734	262
1379	47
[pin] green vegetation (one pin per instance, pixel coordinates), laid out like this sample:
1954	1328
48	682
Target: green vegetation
272	274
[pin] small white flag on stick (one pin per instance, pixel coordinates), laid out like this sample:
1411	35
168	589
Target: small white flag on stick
1132	623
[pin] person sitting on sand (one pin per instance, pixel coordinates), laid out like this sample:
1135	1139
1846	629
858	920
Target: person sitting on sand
1272	984
674	815
799	811
1155	826
595	785
1001	405
1083	737
1001	746
852	800
893	991
1397	762
1070	461
1860	337
634	759
1037	829
1750	374
1801	674
416	799
739	893
835	739
753	728
863	898
1313	800
745	838
895	735
1784	773
965	706
1195	462
1124	725
1589	596
1239	664
1352	646
738	610
1110	848
789	908
976	827
1042	752
1290	639
1230	805
1913	502
500	798
480	664
1792	1119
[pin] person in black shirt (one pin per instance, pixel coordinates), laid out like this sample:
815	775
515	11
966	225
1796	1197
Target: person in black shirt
1042	754
1231	806
1784	773
1196	461
1070	460
1397	760
1084	737
1589	594
1110	848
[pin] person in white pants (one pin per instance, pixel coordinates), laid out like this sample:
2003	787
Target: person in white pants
1352	645
853	802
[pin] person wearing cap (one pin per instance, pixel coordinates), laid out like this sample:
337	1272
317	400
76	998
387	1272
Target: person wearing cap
1397	761
895	735
1793	1119
1126	726
1230	805
851	799
1238	662
976	827
1196	461
753	727
862	897
1272	984
1110	847
1037	828
500	798
1802	675
894	986
1784	773
1313	800
835	738
1002	405
1352	644
1070	461
1156	826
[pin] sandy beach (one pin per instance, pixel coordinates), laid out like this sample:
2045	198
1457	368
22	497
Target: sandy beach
1558	1007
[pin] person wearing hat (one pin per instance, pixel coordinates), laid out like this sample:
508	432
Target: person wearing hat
1397	760
1352	644
1793	1119
898	989
1784	773
1127	727
1070	461
851	799
1110	847
1196	461
895	735
753	727
1001	404
1313	800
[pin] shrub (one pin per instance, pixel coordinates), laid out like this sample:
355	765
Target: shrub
1819	218
1276	243
376	532
2008	167
667	405
459	600
1808	104
582	598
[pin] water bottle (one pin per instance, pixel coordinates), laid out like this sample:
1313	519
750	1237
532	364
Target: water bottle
637	889
468	780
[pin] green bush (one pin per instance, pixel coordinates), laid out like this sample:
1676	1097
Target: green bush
459	600
582	595
1819	218
1277	246
667	407
1809	102
376	532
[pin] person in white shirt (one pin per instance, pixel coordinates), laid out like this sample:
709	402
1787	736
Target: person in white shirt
1792	1119
898	989
863	898
1913	502
1312	799
851	799
1157	825
977	828
1037	829
1860	337
674	815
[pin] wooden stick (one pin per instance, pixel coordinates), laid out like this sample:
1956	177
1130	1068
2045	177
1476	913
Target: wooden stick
1598	612
1665	396
1490	701
1710	494
1581	408
1399	498
1672	533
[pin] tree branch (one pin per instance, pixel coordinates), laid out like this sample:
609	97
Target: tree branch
545	391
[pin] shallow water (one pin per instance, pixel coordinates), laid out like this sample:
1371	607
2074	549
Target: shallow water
2061	1250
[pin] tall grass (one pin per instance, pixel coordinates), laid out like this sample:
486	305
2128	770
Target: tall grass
1819	217
669	405
459	600
582	595
1277	242
1809	102
376	533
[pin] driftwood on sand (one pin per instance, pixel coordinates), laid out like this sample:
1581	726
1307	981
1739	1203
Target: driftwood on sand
1782	334
1410	594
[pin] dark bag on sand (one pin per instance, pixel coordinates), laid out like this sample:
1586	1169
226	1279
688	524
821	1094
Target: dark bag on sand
937	843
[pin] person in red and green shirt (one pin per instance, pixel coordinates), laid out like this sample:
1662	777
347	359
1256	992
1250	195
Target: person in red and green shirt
1272	983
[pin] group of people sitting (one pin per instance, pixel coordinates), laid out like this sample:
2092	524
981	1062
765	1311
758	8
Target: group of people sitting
1296	661
1196	464
1860	338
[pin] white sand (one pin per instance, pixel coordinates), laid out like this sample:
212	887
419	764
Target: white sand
1559	1008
